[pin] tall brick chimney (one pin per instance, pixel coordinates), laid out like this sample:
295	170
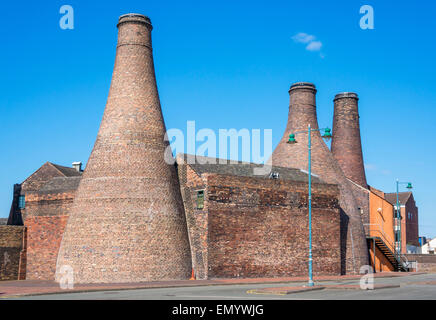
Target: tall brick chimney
302	111
127	222
346	143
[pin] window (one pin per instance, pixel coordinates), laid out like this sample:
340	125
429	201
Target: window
200	199
21	202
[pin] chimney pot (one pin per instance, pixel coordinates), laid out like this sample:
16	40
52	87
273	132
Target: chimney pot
134	18
303	85
346	95
78	166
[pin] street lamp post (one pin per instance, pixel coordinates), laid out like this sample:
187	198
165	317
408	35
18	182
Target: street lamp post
326	135
398	216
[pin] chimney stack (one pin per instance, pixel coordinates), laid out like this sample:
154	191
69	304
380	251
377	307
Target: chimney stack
127	223
346	144
302	112
78	166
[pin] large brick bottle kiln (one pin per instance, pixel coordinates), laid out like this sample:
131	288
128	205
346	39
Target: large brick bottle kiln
302	111
346	143
127	222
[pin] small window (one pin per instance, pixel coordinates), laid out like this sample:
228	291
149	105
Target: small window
200	199
21	202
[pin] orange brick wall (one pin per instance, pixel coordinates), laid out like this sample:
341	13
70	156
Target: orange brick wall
382	221
381	225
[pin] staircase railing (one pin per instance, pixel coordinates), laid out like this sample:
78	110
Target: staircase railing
405	262
382	235
401	259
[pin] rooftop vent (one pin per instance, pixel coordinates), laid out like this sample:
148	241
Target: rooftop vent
78	166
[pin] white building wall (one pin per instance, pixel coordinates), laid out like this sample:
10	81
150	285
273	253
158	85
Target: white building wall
429	247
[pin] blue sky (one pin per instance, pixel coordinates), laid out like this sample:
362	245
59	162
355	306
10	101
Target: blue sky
224	64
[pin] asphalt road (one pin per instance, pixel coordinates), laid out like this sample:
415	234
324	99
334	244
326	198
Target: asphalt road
410	288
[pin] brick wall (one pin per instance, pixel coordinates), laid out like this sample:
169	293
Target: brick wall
426	262
412	230
49	204
258	228
11	245
362	198
196	219
46	217
43	242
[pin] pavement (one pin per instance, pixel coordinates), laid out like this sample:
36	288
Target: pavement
386	286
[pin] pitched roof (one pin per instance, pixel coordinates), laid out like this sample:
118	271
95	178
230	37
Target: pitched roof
223	166
44	174
61	184
402	197
67	171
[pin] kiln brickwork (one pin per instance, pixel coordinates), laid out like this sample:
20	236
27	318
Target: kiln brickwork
361	195
254	226
302	112
127	222
11	247
346	143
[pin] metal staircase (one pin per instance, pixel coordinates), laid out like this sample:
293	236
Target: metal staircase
399	263
378	237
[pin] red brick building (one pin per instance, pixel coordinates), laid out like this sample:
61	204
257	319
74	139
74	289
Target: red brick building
240	224
44	202
409	220
246	225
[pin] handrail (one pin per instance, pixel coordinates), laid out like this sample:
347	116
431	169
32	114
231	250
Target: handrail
402	258
383	234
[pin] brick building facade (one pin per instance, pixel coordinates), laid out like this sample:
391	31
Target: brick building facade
45	200
246	225
409	219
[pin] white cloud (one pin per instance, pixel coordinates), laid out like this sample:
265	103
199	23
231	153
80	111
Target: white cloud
303	38
314	46
310	40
